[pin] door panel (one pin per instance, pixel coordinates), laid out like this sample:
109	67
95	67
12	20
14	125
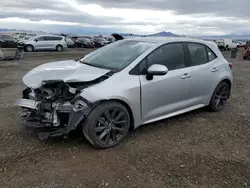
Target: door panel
169	93
48	42
202	83
203	69
39	44
164	94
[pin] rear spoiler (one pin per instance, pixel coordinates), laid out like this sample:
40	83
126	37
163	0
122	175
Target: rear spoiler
117	36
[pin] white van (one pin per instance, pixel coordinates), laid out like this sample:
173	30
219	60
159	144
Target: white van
44	42
226	44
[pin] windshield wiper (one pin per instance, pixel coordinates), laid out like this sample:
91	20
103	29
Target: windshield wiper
97	66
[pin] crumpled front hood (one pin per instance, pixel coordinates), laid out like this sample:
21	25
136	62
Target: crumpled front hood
67	71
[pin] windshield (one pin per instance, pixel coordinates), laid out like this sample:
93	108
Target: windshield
33	38
84	39
117	55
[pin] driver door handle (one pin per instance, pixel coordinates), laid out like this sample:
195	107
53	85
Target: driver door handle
185	76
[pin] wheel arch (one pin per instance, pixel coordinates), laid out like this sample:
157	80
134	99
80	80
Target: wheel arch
228	81
132	125
25	46
59	45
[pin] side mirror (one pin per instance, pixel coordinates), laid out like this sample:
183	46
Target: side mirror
36	40
156	70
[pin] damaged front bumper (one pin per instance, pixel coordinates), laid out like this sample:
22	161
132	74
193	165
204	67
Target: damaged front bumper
61	118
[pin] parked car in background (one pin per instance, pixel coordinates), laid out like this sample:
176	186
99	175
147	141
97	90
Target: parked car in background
23	34
44	42
100	42
25	38
226	44
74	38
70	42
241	43
110	39
124	85
84	43
8	41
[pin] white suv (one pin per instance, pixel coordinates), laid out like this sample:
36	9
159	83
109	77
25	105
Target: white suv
44	42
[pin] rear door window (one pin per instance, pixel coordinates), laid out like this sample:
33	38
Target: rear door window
57	38
48	38
198	54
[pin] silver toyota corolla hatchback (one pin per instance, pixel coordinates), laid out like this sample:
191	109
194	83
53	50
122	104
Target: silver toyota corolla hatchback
124	85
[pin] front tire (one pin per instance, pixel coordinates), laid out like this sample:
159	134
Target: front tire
59	48
29	48
107	125
220	97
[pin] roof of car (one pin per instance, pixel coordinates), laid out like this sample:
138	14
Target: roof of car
167	39
48	36
163	40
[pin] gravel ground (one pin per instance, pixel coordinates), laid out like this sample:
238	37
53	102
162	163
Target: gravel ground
197	149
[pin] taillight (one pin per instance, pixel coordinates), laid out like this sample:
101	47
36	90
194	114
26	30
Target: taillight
230	65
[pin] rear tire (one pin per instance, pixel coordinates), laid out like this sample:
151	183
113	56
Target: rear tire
220	96
29	48
107	124
59	48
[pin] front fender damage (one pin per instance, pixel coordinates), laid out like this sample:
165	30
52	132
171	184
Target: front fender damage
54	112
57	106
76	116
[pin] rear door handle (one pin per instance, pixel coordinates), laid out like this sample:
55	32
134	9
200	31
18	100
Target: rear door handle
185	76
215	69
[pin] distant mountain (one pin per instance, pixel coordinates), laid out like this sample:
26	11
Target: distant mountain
160	34
164	34
5	30
244	35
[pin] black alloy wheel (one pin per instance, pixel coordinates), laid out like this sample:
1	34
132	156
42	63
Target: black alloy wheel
111	126
107	125
220	96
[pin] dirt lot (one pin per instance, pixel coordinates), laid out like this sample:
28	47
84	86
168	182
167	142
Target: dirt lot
198	149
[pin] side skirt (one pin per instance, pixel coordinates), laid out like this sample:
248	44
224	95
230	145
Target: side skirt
176	113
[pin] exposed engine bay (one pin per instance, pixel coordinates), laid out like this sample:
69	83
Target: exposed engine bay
57	105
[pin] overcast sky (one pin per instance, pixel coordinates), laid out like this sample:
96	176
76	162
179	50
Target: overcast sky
189	17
